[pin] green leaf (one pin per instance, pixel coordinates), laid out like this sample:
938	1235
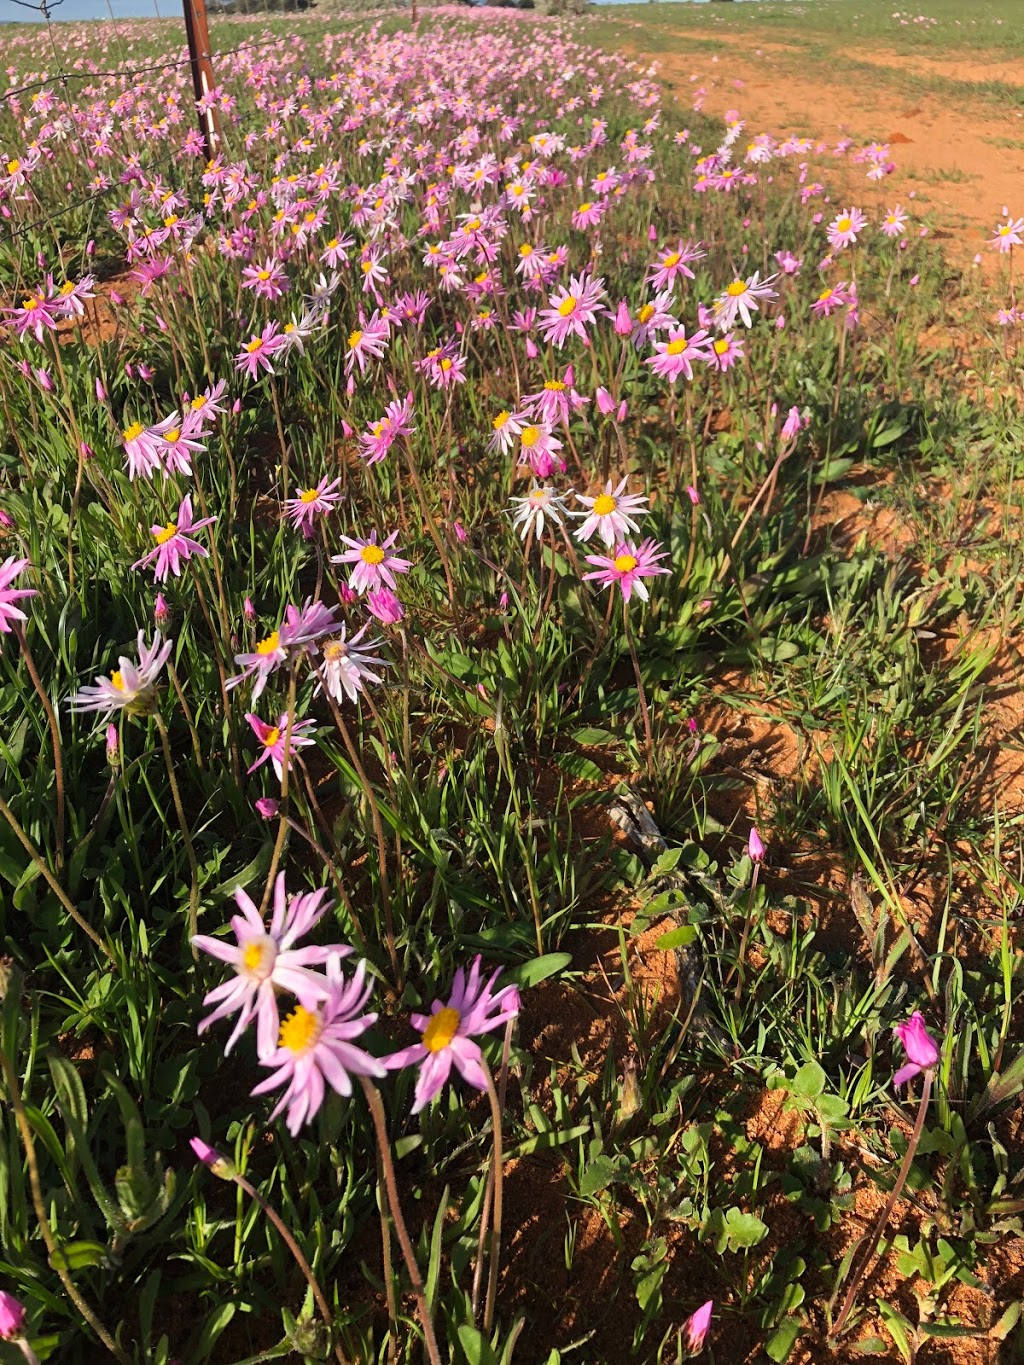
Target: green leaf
212	1329
578	765
599	1174
591	734
781	1342
809	1081
528	974
79	1256
676	938
476	1346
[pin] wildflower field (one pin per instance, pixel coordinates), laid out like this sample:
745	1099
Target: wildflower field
510	767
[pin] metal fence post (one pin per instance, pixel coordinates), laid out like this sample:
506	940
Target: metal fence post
202	71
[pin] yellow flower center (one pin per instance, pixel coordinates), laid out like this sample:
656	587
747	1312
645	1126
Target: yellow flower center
333	651
258	957
721	346
567	307
272	737
133	432
500	420
555	386
671	260
169	531
173	435
31	302
844	225
585	208
366	267
117	680
300	1030
676	347
526	249
253	345
308	495
441	1030
530	437
474	225
332	244
825	294
623	563
13	167
735	289
646	313
170	220
67	288
372	554
603	504
270	644
263	274
354	338
199	403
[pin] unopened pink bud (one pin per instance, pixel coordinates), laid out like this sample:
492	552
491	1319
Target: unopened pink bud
161	611
113	745
213	1160
385	606
12	1316
45	381
267	807
116	299
791	425
755	848
652	235
693	495
623	321
531	349
85	450
605	402
248	610
461	535
346	594
6	520
101	393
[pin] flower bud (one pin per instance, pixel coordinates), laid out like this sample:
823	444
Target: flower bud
267	807
45	381
755	848
248	610
623	321
385	606
212	1159
605	402
113	746
346	594
693	495
161	611
12	1316
791	425
101	393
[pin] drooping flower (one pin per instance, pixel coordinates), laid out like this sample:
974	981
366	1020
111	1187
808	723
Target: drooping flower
132	687
922	1052
9	571
627	567
472	1009
174	544
315	1046
266	962
539	505
272	741
611	513
376	564
347	664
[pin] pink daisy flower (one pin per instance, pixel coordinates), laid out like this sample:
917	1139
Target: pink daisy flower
272	745
35	312
588	215
366	342
347	665
539	449
310	503
571	310
258	352
179	444
472	1009
315	1048
268	281
611	513
174	545
132	687
376	565
9	571
831	297
144	446
740	299
674	264
673	357
842	231
628	567
895	221
724	352
1008	235
375	443
266	962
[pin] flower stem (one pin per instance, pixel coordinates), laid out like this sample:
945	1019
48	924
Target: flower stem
883	1218
649	742
296	1251
58	762
39	1204
492	1273
190	853
391	1186
52	881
